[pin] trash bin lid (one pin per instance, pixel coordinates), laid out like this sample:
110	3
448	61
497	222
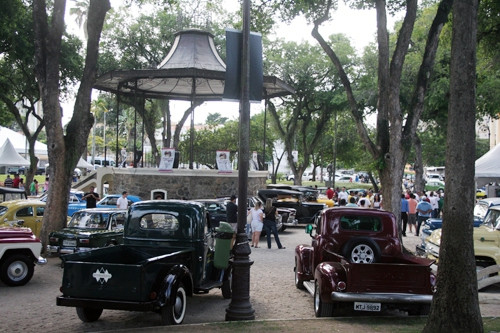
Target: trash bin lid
225	227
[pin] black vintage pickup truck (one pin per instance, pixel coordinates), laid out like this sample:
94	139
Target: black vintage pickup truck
168	254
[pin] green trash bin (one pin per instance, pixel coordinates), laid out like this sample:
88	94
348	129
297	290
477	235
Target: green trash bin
223	239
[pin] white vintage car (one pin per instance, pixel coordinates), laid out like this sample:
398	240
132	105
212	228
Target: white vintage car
19	252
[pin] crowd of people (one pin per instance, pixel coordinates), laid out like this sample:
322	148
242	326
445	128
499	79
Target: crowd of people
34	187
415	207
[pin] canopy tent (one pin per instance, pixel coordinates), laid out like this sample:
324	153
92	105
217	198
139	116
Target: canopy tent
82	164
9	156
19	142
488	167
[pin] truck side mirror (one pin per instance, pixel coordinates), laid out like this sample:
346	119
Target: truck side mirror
309	229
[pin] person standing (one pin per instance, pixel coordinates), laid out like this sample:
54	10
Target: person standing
434	200
20	185
122	201
34	187
404	213
424	210
257	223
46	184
91	198
232	213
15	181
329	193
343	194
271	214
412	212
7	182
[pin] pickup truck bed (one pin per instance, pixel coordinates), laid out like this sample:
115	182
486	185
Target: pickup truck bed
139	265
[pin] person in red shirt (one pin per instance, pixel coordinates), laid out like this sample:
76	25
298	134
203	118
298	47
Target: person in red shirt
16	180
329	193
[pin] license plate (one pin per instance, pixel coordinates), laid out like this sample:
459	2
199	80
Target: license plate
364	306
67	242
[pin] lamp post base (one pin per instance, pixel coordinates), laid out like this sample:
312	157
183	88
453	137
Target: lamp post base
240	307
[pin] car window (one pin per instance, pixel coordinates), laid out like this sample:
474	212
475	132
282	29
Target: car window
492	219
118	221
3	210
166	222
73	199
110	201
360	223
25	211
40	211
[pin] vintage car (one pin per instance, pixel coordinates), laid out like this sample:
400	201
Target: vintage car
109	201
89	229
26	213
305	211
170	252
486	239
216	210
310	194
356	263
19	252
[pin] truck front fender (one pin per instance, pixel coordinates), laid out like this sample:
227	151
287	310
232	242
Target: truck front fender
304	261
177	275
328	275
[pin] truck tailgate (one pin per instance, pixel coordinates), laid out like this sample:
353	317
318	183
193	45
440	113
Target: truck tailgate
397	278
117	273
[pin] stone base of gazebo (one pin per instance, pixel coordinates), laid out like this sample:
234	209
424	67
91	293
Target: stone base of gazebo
178	184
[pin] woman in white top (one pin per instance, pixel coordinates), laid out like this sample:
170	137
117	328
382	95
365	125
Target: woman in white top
257	223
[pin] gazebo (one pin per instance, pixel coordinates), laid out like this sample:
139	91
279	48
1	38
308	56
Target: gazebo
192	71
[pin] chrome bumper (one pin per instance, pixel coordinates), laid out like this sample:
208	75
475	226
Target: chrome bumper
54	249
291	223
41	261
381	297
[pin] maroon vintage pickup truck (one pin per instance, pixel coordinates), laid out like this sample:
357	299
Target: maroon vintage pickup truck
356	262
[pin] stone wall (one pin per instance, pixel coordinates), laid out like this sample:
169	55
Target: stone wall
181	183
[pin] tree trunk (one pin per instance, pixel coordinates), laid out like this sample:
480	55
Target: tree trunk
63	150
456	306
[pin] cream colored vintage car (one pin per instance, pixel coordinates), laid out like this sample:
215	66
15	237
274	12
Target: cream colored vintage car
486	241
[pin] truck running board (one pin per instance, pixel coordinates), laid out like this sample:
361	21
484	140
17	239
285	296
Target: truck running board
309	285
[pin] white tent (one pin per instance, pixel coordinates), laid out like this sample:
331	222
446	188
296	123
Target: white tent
82	164
9	156
19	142
488	167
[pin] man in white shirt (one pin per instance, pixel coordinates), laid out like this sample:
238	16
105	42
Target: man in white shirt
343	195
122	201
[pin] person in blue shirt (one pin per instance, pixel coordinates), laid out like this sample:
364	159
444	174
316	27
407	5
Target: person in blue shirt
424	210
404	213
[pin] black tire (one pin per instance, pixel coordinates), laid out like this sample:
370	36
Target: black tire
362	251
88	315
321	309
226	287
17	270
298	283
173	314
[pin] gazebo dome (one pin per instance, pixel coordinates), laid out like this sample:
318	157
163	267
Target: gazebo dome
193	49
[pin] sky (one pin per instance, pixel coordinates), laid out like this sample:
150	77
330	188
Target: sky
358	25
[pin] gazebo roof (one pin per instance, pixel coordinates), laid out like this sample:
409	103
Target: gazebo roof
192	70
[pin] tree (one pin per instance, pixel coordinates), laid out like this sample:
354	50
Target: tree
302	119
64	150
395	130
456	306
19	93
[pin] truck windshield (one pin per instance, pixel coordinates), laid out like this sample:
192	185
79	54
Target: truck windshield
492	219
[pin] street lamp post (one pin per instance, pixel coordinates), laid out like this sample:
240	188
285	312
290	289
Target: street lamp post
240	307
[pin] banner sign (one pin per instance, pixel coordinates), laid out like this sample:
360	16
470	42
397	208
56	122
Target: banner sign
223	161
167	159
